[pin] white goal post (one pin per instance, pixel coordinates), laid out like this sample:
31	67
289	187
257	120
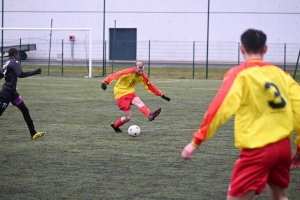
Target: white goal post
67	30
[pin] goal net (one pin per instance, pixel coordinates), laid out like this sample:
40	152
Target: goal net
58	51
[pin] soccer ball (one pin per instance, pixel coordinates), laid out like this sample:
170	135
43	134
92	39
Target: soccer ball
134	131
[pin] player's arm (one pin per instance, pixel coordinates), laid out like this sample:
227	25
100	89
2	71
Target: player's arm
221	109
31	73
150	87
114	76
294	93
18	70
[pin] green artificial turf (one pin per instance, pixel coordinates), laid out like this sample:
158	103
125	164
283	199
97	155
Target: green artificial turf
81	157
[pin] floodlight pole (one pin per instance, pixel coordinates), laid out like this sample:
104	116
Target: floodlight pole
113	49
207	39
103	67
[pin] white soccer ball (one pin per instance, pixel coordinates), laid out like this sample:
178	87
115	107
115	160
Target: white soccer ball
134	131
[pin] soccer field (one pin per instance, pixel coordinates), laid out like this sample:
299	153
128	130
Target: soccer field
81	157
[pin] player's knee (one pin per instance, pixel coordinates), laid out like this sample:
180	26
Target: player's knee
127	118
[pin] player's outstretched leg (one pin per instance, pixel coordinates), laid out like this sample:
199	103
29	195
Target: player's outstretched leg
117	130
154	114
37	135
25	111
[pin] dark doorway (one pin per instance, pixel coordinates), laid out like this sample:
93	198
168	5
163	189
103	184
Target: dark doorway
122	44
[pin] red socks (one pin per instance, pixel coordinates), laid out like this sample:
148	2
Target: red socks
118	123
145	111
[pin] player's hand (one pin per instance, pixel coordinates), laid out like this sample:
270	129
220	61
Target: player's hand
295	162
103	86
188	151
38	71
165	98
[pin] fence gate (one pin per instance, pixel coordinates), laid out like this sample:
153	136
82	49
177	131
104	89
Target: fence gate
122	44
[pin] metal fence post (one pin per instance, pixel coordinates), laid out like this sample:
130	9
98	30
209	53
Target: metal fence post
193	59
238	53
149	60
284	57
20	58
104	67
297	64
62	57
50	49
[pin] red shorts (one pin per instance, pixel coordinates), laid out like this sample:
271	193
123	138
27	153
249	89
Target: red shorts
256	167
124	102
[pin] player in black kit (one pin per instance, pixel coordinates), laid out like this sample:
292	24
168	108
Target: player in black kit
11	71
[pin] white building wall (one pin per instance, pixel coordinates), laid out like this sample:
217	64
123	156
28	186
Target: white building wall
171	26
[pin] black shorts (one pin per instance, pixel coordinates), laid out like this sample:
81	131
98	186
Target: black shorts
8	95
3	105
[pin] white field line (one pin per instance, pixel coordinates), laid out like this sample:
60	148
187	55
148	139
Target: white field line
144	130
185	80
48	84
154	81
204	88
58	78
196	88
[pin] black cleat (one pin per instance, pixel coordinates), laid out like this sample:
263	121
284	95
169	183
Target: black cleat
117	130
154	114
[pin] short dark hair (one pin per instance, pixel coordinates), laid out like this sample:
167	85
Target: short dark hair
12	52
253	41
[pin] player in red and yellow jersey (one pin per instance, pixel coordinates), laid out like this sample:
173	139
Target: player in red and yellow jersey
266	103
125	96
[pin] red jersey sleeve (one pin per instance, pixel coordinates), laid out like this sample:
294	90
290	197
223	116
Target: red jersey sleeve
294	93
150	86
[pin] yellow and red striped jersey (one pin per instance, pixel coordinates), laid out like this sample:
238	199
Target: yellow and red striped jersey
265	101
127	80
